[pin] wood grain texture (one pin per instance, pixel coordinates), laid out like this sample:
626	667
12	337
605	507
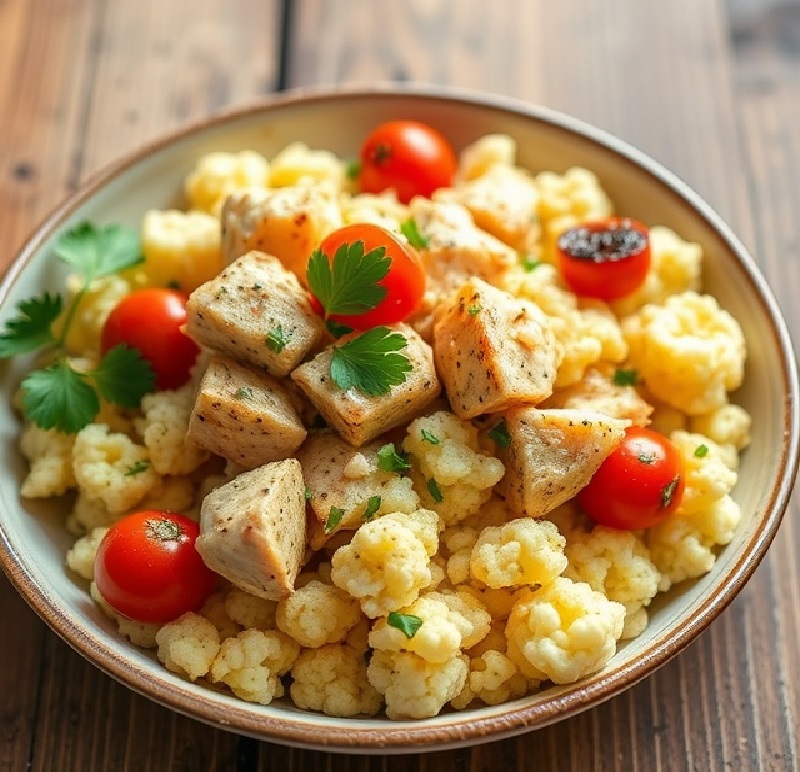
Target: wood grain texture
709	89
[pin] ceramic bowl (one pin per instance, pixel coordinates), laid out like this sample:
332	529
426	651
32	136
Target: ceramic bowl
33	542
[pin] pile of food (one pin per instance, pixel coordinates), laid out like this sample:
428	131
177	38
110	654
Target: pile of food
391	435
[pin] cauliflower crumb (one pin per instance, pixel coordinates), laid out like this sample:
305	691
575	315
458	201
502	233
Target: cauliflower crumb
358	467
111	467
493	679
563	631
163	429
251	664
414	687
317	614
689	351
216	175
80	557
249	610
385	566
618	564
188	645
333	679
49	452
462	473
524	551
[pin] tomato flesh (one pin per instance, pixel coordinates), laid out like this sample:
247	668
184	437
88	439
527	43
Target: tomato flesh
147	567
606	260
640	483
404	284
151	321
409	157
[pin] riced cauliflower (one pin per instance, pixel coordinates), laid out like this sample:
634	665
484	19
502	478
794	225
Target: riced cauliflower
188	645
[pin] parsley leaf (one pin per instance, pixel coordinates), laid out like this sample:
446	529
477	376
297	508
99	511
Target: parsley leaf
353	169
58	397
123	377
623	377
137	468
499	433
408	624
349	284
429	437
474	309
243	392
701	451
373	505
32	329
277	339
334	518
371	363
410	230
435	491
99	251
530	263
389	460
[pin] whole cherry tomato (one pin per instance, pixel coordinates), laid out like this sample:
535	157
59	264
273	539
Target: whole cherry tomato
147	567
638	485
607	259
408	156
151	321
404	283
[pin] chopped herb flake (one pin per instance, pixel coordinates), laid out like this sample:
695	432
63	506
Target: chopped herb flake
137	468
623	377
353	169
410	230
429	437
389	460
408	624
243	392
277	339
433	489
337	329
474	309
334	518
701	451
530	263
373	505
499	433
308	493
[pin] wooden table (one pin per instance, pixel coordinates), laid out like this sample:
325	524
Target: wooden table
709	88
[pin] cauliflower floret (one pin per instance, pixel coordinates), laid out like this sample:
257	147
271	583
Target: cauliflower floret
80	557
674	268
49	452
317	614
459	541
333	679
88	513
188	645
251	664
163	429
452	475
708	476
214	611
413	687
563	631
682	546
249	610
689	352
176	494
484	153
297	163
111	467
524	551
425	525
728	426
384	565
493	679
618	564
470	607
180	248
216	175
142	634
383	209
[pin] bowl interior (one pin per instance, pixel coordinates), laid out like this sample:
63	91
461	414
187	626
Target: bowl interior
32	538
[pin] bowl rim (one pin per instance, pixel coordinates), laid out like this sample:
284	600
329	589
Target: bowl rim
482	725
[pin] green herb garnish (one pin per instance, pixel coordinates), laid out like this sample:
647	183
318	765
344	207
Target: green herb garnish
408	624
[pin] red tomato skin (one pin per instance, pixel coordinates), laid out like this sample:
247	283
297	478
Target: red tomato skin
405	282
608	280
627	493
145	578
151	321
410	157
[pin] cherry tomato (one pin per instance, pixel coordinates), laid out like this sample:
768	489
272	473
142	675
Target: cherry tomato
151	321
405	282
607	259
638	485
147	567
408	156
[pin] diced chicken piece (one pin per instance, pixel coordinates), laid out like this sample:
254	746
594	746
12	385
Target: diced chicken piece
596	391
286	222
253	529
243	415
256	312
553	454
493	351
357	417
503	202
341	477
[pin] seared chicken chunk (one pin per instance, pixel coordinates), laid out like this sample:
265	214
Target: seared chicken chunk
243	415
553	454
357	417
253	529
493	351
256	312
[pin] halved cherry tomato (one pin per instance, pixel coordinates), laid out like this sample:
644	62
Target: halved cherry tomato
151	321
405	282
410	157
147	567
607	259
638	485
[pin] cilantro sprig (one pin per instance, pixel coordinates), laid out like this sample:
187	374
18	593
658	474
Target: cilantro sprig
371	363
60	395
